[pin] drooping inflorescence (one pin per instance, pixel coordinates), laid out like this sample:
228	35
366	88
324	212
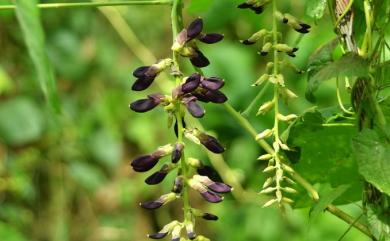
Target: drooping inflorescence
191	173
278	183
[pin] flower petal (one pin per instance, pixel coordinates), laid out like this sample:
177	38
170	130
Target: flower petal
211	143
199	60
219	187
211	197
143	105
211	38
140	71
213	83
210	217
195	110
157	235
216	96
144	163
192	82
195	28
142	83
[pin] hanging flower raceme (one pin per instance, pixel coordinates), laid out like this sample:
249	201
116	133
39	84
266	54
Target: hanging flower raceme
184	99
185	43
278	181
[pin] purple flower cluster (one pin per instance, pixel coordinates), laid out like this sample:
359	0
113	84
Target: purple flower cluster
185	96
185	43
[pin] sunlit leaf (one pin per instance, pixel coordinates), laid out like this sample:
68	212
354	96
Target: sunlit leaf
316	8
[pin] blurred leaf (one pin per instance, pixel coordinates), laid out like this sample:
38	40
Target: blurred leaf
29	19
21	121
373	157
327	199
88	176
199	6
351	64
9	233
325	154
106	148
5	82
316	8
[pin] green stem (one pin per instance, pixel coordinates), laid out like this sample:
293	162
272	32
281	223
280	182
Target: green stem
177	25
253	104
93	4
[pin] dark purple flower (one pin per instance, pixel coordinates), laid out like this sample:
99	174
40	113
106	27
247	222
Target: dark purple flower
158	235
195	110
158	176
175	126
209	217
199	60
216	96
151	204
142	83
145	105
177	152
201	97
195	28
219	187
211	143
159	202
178	185
144	163
192	82
212	83
211	38
211	197
208	171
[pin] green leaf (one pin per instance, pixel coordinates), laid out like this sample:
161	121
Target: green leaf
9	233
327	199
324	154
197	6
316	8
349	65
23	123
373	157
29	19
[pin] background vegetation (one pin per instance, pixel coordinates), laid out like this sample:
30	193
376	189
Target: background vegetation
67	177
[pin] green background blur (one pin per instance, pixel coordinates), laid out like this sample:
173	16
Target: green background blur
67	177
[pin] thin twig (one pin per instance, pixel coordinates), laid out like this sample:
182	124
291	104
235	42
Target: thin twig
93	4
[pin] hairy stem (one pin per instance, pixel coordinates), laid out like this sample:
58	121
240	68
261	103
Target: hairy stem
93	4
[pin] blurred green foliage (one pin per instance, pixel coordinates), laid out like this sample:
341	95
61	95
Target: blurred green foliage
66	177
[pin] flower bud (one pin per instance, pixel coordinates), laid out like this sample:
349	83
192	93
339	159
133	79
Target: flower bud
265	157
158	176
266	48
198	59
176	232
286	118
190	230
195	28
269	169
164	231
264	108
296	24
190	135
144	163
264	134
215	96
290	190
213	186
277	79
178	184
269	203
164	199
207	195
209	217
255	37
177	152
287	200
192	82
261	80
287	93
193	108
210	142
193	162
145	105
268	182
211	38
212	83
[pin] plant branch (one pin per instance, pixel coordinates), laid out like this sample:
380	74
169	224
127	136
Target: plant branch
93	4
